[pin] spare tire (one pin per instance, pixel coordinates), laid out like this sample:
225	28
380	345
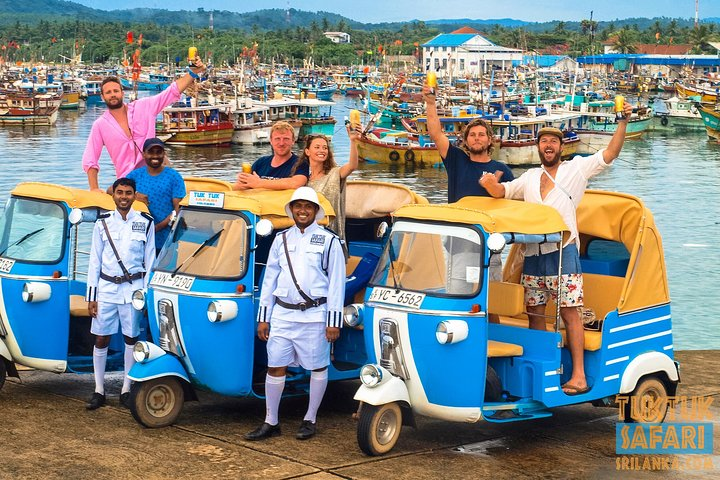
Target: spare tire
493	386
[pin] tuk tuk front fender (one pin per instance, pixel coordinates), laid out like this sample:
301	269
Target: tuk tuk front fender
644	364
162	366
392	389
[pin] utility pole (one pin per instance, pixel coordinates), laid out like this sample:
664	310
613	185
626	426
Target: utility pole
697	2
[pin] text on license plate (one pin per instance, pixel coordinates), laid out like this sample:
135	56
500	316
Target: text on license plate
397	297
6	265
164	279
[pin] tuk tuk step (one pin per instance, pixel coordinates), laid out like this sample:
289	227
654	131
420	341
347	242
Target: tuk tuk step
512	411
503	349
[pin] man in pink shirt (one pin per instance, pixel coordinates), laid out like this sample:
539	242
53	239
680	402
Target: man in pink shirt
123	128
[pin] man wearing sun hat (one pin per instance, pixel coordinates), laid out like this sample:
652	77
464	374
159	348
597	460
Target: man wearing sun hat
560	185
301	308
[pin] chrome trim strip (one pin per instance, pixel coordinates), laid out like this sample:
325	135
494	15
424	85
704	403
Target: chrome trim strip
201	294
31	278
639	324
446	313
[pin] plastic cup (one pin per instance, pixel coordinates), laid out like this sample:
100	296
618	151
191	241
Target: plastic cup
192	53
247	167
619	104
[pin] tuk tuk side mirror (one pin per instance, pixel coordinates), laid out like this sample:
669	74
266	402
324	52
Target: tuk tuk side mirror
381	230
263	227
496	242
75	216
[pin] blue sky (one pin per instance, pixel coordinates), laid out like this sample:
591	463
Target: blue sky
374	11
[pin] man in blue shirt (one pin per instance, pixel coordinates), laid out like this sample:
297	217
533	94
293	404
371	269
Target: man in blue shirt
465	166
161	187
275	172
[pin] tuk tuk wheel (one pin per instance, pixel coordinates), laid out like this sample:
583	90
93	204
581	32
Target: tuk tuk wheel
157	402
650	398
379	428
3	372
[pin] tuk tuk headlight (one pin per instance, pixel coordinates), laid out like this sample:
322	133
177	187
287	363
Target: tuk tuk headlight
145	351
370	375
36	292
352	315
451	331
138	300
222	310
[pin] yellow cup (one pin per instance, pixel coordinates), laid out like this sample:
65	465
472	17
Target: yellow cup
431	79
354	119
247	167
619	104
192	53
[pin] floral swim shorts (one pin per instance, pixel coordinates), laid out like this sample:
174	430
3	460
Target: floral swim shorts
540	278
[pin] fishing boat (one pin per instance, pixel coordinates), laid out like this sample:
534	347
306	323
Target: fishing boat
284	109
184	124
711	119
18	107
251	120
676	114
397	150
154	82
603	122
707	92
316	117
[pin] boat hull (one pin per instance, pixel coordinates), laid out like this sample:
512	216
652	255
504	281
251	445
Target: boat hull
398	154
218	136
252	135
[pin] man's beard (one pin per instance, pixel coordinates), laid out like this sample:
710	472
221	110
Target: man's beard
552	162
114	106
478	150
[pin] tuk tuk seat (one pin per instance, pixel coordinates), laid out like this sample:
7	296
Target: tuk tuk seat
78	306
503	349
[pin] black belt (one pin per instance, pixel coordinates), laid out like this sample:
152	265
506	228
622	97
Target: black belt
302	306
119	280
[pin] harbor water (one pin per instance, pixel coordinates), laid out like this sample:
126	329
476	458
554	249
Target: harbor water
676	174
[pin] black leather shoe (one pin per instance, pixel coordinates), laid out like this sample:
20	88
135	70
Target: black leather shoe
307	429
96	401
263	431
125	399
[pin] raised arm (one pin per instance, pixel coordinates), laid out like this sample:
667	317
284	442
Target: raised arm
198	68
353	161
618	139
433	122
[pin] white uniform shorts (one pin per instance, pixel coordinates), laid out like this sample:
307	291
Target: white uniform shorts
111	314
295	343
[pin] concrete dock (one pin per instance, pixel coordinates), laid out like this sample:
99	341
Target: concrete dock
47	433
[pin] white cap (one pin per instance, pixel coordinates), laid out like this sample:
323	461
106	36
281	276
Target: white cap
306	193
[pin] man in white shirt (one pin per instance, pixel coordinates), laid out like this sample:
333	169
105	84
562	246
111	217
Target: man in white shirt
560	185
301	307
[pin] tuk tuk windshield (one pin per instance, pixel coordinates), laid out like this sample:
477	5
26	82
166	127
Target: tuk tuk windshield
435	259
32	231
206	244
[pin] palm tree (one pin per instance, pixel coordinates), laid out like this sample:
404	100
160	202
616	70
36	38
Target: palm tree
698	37
625	41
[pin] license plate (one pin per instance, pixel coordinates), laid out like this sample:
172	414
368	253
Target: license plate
6	265
397	297
164	279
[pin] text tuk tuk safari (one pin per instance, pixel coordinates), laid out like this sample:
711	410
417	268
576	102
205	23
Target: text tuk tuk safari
425	317
203	294
46	231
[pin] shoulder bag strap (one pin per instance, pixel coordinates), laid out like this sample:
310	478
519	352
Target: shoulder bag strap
292	273
126	274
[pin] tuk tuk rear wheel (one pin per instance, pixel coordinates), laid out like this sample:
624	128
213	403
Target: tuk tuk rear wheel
379	428
157	402
3	372
650	398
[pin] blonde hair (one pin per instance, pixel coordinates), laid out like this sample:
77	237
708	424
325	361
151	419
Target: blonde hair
282	126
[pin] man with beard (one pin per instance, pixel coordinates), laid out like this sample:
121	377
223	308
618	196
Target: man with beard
123	128
465	165
160	187
560	185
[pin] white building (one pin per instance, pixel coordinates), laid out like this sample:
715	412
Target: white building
338	37
466	53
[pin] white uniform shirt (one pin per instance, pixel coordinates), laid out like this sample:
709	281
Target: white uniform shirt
319	265
134	240
571	180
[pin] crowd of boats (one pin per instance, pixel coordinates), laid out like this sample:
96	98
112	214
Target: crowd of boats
239	106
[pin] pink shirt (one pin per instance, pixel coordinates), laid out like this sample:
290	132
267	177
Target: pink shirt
125	152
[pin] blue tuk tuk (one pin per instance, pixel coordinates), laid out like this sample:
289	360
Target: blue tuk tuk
203	293
45	236
435	353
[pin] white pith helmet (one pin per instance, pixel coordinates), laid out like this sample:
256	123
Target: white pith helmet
306	193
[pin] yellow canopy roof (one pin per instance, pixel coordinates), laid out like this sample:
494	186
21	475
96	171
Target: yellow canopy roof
624	218
73	197
268	204
494	214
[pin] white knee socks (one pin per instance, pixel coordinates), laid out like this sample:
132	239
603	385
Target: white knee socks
129	362
99	361
274	387
318	383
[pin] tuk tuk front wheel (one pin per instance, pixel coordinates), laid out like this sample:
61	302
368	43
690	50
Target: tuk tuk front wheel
379	428
648	403
157	402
